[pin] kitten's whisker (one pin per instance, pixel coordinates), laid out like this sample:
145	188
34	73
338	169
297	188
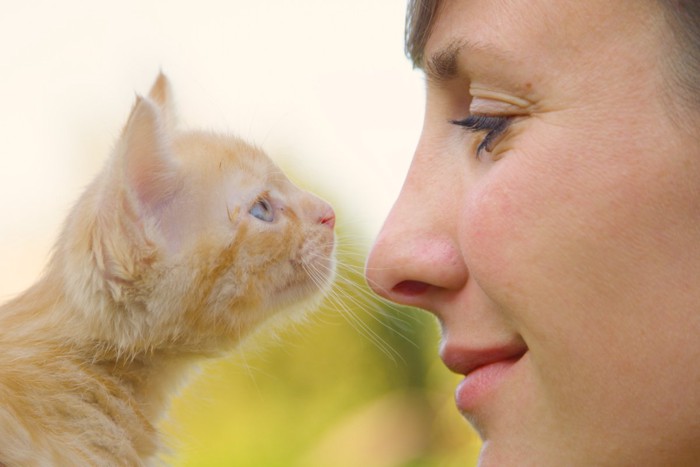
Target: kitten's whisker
344	299
246	364
341	297
360	287
398	316
365	330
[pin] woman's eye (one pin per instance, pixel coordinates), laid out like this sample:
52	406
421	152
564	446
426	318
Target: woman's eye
494	126
262	210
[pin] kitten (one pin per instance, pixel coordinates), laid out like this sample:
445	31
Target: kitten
183	245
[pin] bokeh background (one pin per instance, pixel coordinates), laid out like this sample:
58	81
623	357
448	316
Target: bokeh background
323	86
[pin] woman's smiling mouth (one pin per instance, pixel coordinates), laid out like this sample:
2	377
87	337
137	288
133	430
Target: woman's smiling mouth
483	369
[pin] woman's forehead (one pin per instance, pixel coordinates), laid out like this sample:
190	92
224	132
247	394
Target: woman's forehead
541	31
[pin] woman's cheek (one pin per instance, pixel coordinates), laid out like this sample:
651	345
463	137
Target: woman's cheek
500	231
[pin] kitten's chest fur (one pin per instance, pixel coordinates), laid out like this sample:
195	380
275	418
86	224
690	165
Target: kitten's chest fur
71	401
77	412
183	245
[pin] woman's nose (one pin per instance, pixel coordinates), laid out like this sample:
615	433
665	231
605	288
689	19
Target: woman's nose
416	256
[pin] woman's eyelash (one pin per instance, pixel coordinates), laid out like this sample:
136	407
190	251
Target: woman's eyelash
493	125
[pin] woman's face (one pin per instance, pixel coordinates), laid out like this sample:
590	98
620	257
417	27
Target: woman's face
557	235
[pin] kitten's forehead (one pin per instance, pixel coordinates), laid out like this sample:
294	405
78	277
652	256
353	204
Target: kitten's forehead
206	152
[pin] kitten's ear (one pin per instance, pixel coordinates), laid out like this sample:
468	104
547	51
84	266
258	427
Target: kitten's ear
161	93
149	169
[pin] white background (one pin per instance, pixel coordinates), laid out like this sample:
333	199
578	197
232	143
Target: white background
322	85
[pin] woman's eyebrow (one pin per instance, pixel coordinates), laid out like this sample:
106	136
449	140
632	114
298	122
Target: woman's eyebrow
443	64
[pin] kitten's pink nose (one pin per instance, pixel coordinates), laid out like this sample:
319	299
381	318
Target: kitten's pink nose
327	218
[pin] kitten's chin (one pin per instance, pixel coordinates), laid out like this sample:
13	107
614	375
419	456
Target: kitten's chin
306	293
308	287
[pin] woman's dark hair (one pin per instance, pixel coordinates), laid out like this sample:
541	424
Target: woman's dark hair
419	21
682	16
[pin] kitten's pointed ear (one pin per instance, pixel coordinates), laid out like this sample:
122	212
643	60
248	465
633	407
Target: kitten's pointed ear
149	169
161	93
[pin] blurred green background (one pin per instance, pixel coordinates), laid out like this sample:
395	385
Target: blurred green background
359	384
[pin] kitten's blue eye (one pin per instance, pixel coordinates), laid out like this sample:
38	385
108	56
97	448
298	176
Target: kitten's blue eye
262	210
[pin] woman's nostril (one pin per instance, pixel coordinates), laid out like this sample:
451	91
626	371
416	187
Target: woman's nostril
410	288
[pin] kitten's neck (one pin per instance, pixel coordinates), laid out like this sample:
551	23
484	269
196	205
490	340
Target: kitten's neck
45	321
149	379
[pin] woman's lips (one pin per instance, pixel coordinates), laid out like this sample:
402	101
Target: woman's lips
483	370
480	382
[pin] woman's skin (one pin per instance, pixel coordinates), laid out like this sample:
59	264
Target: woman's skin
561	253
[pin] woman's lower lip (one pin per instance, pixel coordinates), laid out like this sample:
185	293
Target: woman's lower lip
481	382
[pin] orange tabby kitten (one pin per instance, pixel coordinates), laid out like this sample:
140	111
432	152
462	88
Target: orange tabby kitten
182	246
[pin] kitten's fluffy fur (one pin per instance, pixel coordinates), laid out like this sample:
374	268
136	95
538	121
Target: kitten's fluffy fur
183	244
